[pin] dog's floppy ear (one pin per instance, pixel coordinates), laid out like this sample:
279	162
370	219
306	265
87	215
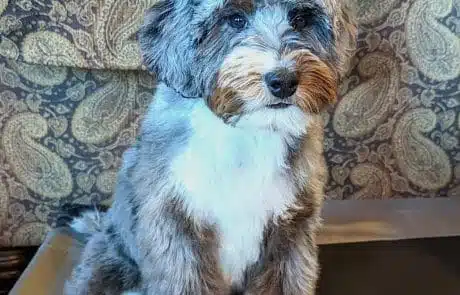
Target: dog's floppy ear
347	33
166	43
153	27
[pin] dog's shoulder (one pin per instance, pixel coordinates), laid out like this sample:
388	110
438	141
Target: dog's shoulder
167	121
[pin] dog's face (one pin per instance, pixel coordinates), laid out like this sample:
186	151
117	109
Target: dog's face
262	59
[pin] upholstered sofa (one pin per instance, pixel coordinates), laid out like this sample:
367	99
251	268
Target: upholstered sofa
73	91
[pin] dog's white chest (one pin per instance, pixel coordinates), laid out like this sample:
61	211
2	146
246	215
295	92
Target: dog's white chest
236	179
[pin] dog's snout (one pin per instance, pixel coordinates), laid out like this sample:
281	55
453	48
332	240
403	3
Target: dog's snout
282	83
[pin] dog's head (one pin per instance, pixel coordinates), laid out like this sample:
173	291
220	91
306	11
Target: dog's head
263	59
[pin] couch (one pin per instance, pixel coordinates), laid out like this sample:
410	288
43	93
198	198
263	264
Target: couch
73	91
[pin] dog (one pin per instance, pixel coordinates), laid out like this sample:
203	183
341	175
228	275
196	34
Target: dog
222	191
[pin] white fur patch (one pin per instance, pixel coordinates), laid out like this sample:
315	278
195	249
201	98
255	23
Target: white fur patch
235	178
288	121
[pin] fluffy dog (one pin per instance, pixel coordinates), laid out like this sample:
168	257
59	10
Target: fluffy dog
222	192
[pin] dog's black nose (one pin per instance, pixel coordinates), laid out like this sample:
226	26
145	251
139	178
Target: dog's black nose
282	83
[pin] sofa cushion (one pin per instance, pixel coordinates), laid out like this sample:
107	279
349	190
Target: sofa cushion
63	131
394	133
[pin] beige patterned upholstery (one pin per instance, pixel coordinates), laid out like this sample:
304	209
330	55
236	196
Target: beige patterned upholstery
72	92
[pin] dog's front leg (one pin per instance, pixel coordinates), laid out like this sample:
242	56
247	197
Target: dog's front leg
300	268
183	272
290	267
180	256
186	279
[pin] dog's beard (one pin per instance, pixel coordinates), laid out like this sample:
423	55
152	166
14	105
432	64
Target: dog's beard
243	100
291	121
264	113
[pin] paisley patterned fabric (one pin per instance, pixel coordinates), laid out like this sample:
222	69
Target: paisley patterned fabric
95	34
395	132
72	93
63	131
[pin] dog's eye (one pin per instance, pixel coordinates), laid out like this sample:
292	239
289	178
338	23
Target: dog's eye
237	21
299	22
301	18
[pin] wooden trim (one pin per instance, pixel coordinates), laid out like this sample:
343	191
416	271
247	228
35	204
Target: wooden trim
46	273
353	221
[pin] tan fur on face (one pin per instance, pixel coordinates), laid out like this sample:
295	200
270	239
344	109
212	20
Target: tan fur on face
317	82
240	79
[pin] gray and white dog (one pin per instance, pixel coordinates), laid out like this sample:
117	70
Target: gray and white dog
221	194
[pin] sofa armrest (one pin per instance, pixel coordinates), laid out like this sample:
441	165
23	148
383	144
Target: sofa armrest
354	221
51	265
